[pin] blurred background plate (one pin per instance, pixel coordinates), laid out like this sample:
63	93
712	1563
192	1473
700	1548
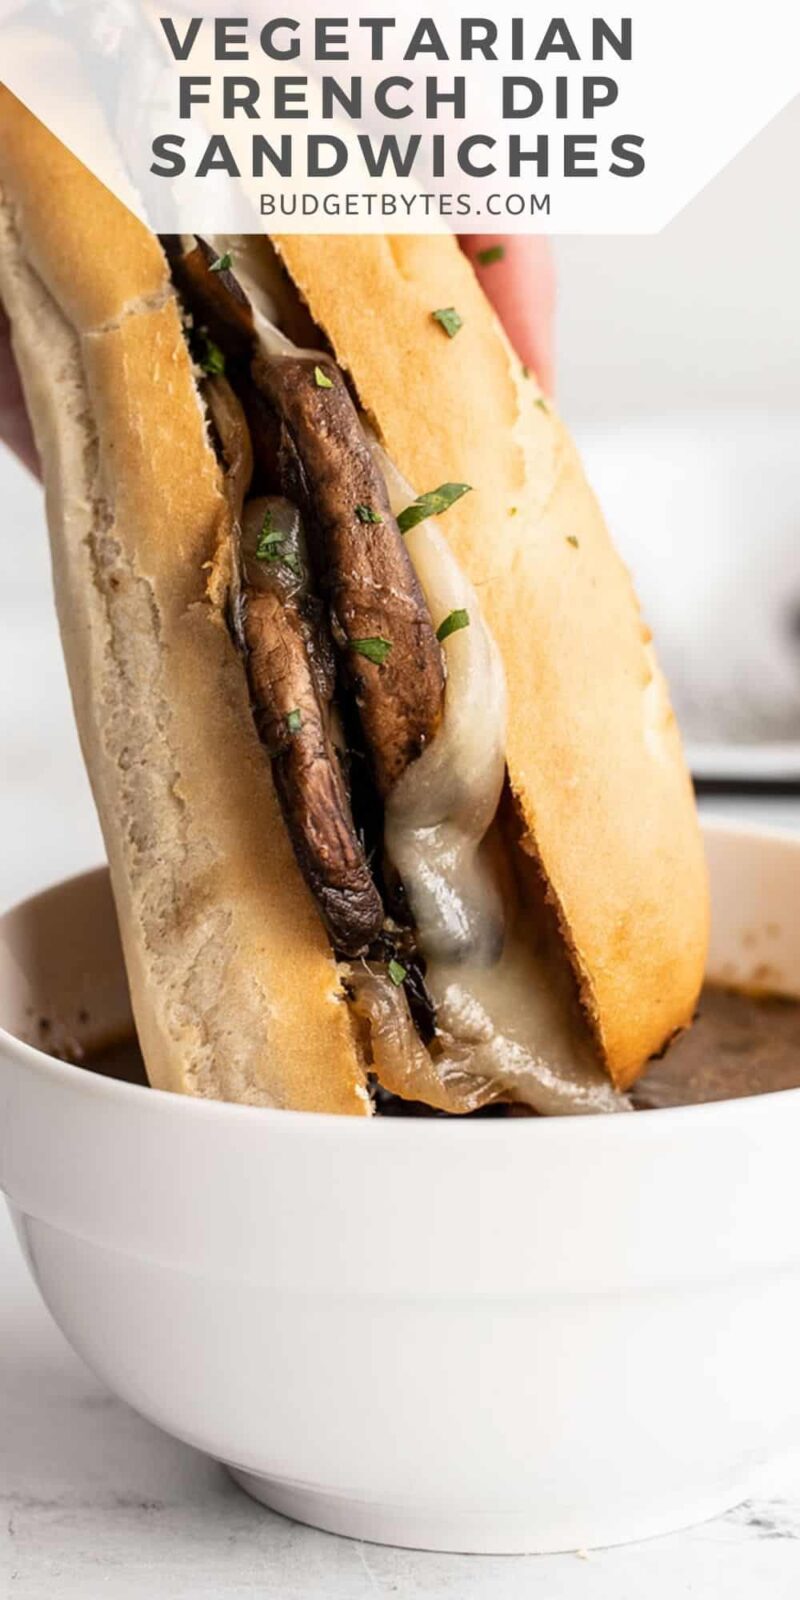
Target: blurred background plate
743	765
705	509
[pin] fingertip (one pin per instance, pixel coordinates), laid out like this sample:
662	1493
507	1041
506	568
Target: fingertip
517	273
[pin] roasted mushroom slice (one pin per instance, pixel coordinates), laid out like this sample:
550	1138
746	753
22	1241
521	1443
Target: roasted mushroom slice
380	621
291	679
233	437
214	294
379	617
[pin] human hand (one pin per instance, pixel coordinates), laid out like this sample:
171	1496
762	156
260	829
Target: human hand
518	276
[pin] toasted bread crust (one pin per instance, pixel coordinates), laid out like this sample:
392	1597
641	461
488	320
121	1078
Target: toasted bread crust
234	986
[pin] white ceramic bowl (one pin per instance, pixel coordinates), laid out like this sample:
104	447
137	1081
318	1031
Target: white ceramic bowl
497	1336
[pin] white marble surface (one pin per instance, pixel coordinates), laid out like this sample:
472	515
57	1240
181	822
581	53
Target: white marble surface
93	1500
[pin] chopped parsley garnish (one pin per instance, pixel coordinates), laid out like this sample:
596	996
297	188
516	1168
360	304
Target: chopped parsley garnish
271	545
321	379
269	540
571	539
368	514
493	253
541	403
448	319
526	372
294	721
377	650
397	972
452	624
212	359
431	504
222	263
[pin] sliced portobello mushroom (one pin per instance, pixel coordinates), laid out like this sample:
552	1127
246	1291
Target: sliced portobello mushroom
291	677
389	653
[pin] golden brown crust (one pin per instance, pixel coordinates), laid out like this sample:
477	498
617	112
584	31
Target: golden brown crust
94	255
594	753
234	986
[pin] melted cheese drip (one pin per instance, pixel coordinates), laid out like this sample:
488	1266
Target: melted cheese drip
507	1019
508	1023
251	268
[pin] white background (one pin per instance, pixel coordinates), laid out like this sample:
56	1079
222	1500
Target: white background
708	311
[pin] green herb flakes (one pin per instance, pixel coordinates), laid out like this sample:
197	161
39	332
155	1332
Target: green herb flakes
321	379
222	263
368	514
431	504
452	624
270	541
212	359
376	650
493	253
448	319
397	972
294	721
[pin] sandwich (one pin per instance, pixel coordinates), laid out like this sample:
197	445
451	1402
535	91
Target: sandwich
392	793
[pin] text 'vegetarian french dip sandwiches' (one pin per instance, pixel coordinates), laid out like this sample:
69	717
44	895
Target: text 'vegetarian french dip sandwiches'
392	792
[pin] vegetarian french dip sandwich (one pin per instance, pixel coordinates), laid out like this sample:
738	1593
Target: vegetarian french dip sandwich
393	796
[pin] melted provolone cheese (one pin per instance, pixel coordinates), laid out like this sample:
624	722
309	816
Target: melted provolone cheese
507	1019
251	268
443	806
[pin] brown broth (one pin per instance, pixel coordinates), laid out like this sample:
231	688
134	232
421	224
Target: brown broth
121	1059
739	1045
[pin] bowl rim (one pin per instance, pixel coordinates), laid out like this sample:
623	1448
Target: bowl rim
152	1101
